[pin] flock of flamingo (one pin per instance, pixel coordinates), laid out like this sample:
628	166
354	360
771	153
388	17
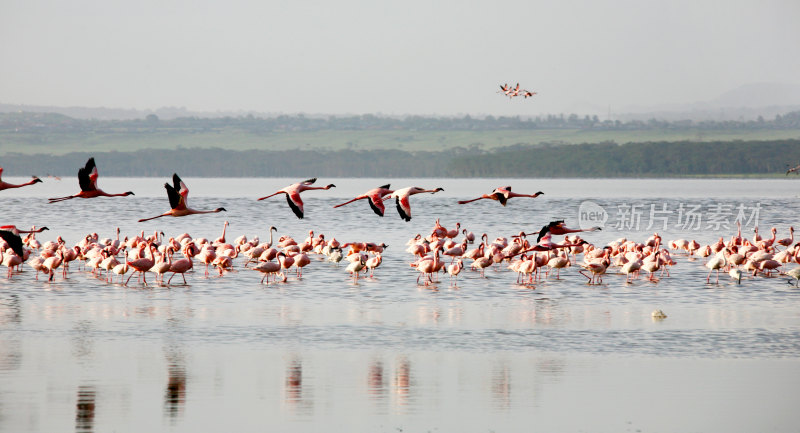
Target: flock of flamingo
440	251
513	92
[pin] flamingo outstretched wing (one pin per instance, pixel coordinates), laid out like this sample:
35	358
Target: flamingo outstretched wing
14	241
296	203
404	208
87	176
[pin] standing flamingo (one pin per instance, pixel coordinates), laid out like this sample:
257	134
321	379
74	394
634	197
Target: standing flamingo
293	194
401	197
6	185
374	197
178	195
501	194
87	179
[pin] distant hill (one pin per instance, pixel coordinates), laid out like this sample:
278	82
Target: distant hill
104	113
746	102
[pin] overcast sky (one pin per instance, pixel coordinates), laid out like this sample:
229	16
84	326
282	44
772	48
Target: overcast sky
400	57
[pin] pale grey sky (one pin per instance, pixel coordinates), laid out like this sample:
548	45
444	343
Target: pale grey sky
398	57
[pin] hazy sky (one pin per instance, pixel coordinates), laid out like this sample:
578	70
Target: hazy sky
400	57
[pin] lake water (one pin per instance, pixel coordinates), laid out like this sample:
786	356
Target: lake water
384	354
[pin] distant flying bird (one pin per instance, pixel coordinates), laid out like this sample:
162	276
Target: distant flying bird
87	179
6	185
513	92
293	194
178	194
501	194
401	198
793	170
374	197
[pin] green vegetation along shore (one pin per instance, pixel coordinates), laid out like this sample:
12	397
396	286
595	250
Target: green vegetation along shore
361	146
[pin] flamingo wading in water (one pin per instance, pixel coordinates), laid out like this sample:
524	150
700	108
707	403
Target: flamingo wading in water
293	194
87	179
178	194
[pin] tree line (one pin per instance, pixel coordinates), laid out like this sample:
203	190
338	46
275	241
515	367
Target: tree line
651	159
44	123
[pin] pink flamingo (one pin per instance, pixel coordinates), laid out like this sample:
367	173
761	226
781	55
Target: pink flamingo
293	194
501	194
178	194
401	197
6	185
142	265
374	197
558	228
87	179
180	266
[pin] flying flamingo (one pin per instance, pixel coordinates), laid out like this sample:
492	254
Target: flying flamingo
6	185
558	228
87	179
374	197
178	195
501	194
293	194
401	197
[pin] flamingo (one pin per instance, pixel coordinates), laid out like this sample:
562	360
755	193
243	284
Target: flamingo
180	266
267	268
786	242
795	273
178	194
355	267
401	197
374	197
453	269
142	265
51	264
372	263
6	185
501	194
293	194
716	263
87	179
558	228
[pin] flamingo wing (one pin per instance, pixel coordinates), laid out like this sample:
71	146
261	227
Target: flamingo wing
309	181
376	204
404	208
176	201
180	186
296	203
87	176
14	241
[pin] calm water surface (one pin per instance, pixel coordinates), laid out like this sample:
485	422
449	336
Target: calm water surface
322	353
